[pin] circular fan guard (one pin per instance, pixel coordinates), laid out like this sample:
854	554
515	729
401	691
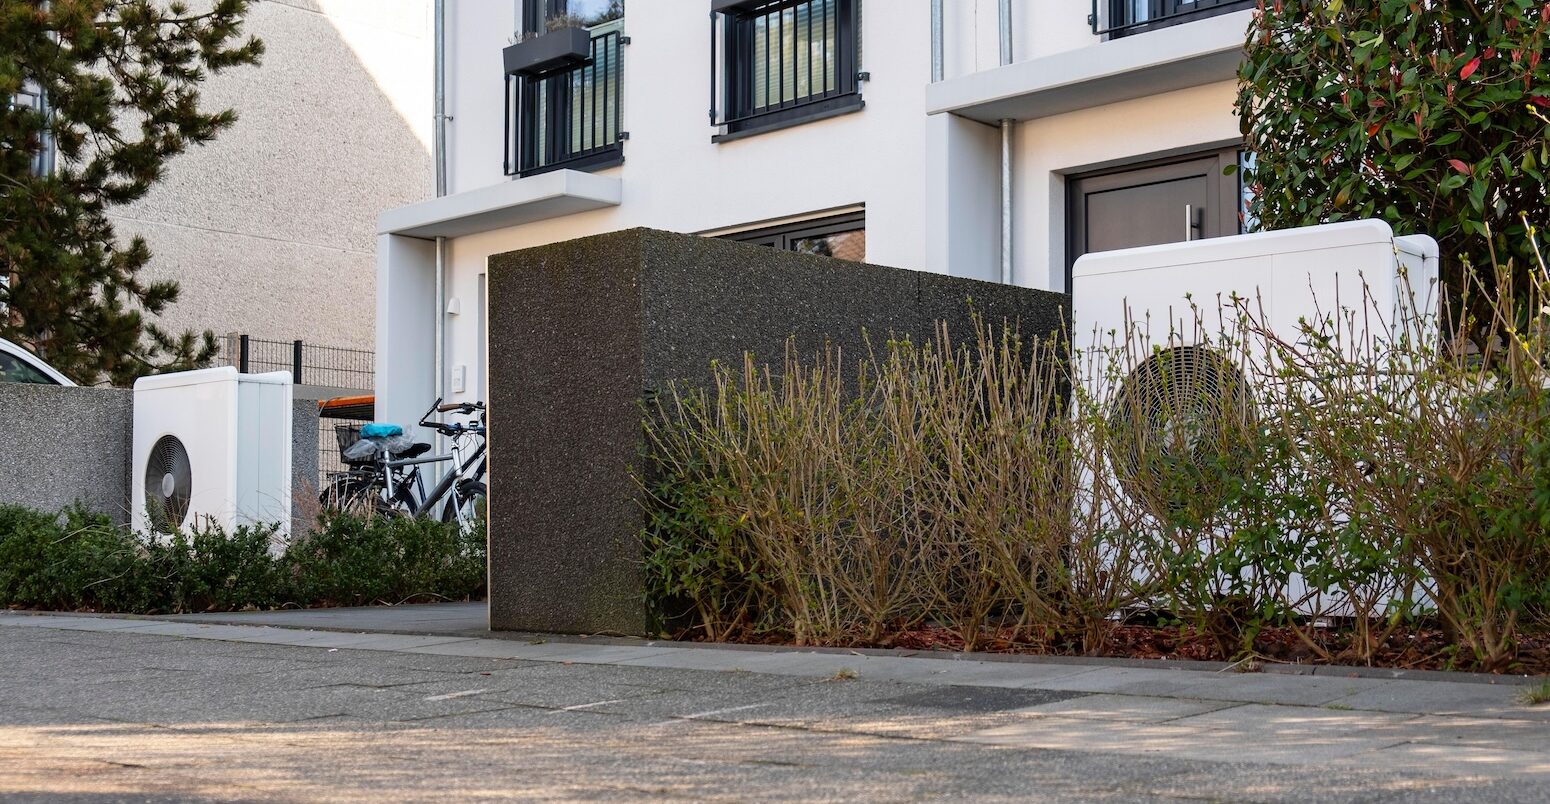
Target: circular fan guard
1178	425
168	484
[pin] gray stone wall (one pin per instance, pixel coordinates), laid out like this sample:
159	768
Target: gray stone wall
61	445
581	331
64	445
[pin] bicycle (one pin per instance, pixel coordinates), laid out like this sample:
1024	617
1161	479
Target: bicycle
463	488
386	479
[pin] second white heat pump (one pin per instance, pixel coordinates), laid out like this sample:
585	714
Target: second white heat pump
1167	310
211	447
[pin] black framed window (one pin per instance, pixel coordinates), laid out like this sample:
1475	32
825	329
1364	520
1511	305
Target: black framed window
569	117
787	61
540	16
1126	17
842	237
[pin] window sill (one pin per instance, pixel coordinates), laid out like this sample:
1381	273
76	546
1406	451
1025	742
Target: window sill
611	158
795	116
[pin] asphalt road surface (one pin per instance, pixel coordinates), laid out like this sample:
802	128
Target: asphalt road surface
115	715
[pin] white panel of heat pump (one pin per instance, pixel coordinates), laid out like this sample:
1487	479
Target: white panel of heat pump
199	409
235	431
264	450
1289	274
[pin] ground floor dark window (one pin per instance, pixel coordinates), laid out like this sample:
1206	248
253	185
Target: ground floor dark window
842	237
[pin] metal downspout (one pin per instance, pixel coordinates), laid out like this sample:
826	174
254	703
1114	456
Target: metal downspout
439	133
936	41
1006	153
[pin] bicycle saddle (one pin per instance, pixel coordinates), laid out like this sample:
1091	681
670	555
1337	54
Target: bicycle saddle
414	450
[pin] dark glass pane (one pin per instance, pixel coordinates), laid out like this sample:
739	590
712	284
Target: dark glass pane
840	245
12	369
794	53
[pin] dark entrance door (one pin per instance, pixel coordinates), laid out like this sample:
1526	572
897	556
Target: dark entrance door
1186	199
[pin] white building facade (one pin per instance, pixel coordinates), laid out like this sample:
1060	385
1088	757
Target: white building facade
877	130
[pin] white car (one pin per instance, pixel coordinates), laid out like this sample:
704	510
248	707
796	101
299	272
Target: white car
19	365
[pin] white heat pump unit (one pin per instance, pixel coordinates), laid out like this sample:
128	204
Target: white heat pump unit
1166	309
211	447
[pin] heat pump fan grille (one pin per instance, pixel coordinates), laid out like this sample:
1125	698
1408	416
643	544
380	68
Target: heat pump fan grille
1179	425
168	483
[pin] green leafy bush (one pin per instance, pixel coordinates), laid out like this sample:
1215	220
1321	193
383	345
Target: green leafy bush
354	560
81	561
1431	113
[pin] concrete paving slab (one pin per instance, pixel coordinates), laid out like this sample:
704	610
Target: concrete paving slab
1476	732
1136	708
1479	761
586	654
1180	739
966	673
482	648
1131	681
394	642
436	618
1276	689
1444	698
1291	722
74	623
714	659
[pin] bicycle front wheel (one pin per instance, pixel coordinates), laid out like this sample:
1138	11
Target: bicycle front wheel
467	504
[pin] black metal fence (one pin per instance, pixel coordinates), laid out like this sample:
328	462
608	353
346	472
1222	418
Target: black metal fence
309	364
568	118
339	425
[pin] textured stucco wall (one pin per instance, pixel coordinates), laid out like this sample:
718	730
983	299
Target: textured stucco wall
65	445
580	331
271	228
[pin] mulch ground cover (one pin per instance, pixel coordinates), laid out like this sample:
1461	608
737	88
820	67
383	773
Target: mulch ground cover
1416	649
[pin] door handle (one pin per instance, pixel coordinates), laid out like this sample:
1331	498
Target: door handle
1189	222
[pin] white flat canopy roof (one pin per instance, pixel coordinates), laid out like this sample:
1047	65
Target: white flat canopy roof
509	203
1136	66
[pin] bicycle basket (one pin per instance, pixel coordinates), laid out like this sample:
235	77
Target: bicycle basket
346	435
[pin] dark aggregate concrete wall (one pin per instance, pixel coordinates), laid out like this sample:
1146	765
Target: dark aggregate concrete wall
61	445
580	331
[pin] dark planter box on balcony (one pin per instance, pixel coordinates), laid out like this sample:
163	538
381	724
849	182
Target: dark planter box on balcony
552	51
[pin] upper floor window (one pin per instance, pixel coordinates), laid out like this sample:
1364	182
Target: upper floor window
785	61
1117	18
564	83
30	97
539	16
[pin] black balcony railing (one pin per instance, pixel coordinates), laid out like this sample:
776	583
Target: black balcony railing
1116	18
569	118
784	60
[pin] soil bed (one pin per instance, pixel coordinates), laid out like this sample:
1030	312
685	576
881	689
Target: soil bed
1418	649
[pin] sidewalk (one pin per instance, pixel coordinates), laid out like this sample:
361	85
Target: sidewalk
1473	740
